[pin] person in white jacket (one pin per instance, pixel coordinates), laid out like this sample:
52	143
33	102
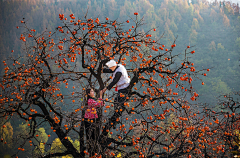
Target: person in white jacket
120	76
120	79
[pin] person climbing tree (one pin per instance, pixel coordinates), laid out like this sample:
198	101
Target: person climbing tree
120	79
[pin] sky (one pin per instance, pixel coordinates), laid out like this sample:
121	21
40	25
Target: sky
233	1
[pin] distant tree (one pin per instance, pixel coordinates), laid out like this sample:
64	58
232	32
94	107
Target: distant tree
229	8
58	147
173	26
237	42
220	87
190	10
226	21
193	37
195	24
212	46
39	150
220	47
42	136
213	15
6	133
169	37
185	6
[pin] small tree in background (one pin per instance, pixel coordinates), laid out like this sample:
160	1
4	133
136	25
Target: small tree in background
46	88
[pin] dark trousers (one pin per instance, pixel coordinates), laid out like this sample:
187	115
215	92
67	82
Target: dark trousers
92	134
119	104
119	101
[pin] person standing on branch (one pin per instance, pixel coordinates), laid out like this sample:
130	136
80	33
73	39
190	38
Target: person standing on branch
120	79
91	120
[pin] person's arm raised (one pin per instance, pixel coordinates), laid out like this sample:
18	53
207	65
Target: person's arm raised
104	90
101	94
115	80
100	101
106	70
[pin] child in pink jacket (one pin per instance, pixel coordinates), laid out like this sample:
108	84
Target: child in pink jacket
92	121
92	103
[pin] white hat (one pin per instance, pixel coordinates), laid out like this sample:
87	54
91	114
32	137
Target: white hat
111	63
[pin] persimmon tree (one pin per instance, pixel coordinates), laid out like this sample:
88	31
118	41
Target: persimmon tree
220	127
46	86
